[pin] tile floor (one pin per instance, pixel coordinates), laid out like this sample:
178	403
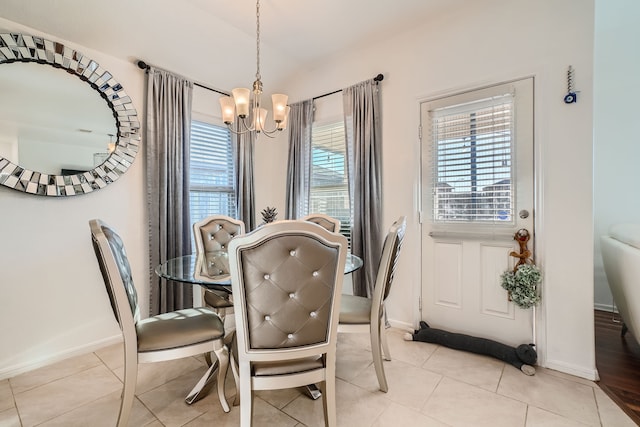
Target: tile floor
429	385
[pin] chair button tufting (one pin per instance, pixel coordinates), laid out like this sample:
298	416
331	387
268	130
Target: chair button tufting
267	317
292	295
266	277
315	274
222	246
290	336
292	253
313	314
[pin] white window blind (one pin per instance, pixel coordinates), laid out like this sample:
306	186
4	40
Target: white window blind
329	189
472	169
212	172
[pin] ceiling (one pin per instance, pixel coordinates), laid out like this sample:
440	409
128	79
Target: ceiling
203	39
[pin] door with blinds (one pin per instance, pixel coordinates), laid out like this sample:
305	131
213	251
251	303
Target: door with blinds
477	191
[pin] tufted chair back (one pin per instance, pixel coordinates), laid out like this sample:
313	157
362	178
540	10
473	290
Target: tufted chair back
287	283
215	232
389	258
121	289
330	223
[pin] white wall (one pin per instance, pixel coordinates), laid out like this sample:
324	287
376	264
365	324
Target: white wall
53	300
53	295
490	42
616	111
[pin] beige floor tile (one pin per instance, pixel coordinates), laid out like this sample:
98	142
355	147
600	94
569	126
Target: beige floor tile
360	340
46	374
459	404
112	356
558	395
279	398
474	369
102	413
167	400
60	396
9	418
408	385
398	415
610	414
570	377
413	352
151	375
6	396
354	405
351	360
537	417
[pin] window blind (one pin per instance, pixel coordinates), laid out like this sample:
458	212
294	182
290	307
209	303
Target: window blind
212	172
472	169
329	190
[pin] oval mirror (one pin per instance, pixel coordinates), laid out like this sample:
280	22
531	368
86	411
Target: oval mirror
57	138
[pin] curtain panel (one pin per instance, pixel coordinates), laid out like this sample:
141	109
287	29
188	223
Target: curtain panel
245	191
299	171
364	152
167	141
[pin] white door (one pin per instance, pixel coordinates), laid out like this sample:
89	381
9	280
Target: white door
477	191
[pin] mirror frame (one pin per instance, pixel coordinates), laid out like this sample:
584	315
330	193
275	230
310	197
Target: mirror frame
26	48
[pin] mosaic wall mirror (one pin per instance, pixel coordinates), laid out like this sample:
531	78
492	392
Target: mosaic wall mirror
67	127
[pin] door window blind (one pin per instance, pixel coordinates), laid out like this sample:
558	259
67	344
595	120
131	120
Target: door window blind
329	190
472	167
212	172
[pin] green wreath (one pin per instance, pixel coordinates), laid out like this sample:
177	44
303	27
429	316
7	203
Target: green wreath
522	285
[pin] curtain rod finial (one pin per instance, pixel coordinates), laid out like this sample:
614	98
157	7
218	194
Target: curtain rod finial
142	65
379	78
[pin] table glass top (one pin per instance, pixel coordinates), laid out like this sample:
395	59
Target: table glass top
212	269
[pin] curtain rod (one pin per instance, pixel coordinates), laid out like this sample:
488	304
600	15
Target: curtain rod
377	79
144	66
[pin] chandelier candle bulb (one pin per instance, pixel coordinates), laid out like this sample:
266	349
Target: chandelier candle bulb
279	106
228	109
242	96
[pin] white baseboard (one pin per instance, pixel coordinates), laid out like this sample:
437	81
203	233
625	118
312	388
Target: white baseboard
605	307
577	371
401	325
30	365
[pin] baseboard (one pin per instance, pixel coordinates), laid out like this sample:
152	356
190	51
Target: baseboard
12	371
576	371
401	325
605	307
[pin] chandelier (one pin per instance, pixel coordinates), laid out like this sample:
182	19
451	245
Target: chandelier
251	116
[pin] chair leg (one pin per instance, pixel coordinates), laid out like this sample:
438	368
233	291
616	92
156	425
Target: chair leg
246	395
236	379
328	389
130	378
223	359
385	344
376	349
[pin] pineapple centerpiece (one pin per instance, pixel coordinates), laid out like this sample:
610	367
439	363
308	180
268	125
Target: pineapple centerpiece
269	214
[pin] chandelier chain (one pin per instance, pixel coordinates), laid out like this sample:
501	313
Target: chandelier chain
258	77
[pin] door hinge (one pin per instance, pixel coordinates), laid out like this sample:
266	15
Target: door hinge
420	133
420	304
419	217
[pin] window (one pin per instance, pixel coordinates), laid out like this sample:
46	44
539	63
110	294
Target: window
472	152
212	172
329	189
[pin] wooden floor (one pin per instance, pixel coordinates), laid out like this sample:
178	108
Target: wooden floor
618	363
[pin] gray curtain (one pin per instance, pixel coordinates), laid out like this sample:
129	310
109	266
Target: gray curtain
364	152
298	178
245	193
167	140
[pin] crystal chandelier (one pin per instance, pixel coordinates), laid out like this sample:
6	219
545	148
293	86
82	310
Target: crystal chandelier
251	116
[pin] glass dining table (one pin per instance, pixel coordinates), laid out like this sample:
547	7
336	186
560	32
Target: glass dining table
211	270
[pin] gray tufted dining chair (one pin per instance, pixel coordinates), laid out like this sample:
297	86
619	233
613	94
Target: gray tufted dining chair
367	315
167	336
287	282
214	234
330	223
